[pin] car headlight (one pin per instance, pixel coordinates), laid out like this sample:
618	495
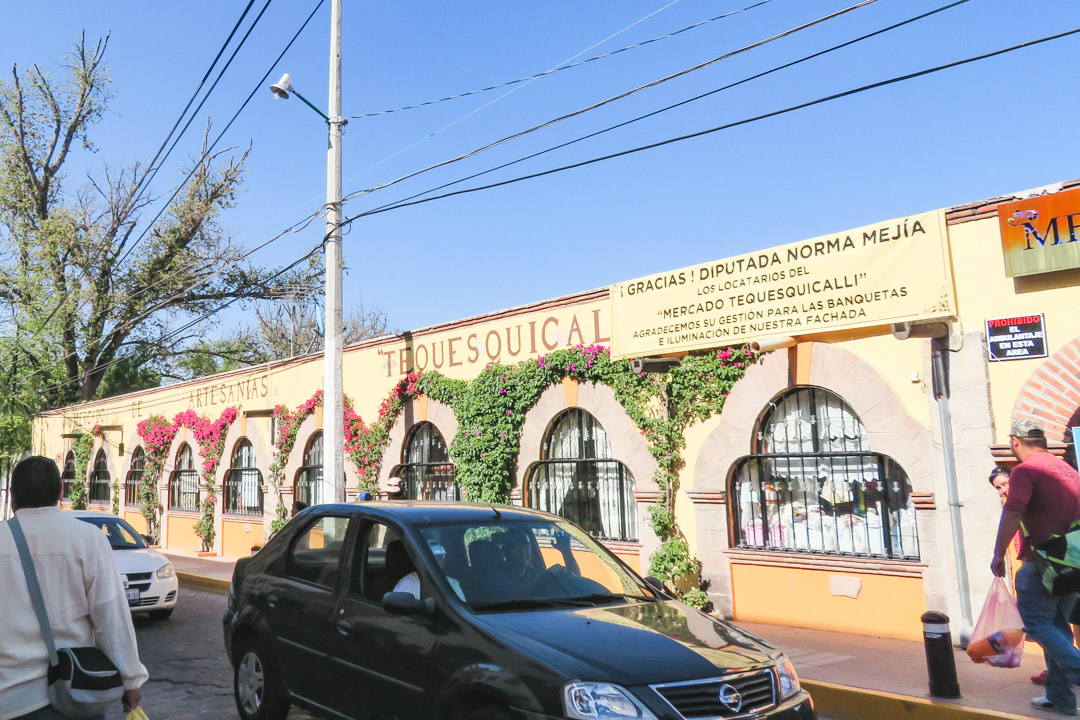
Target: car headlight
601	701
785	673
165	571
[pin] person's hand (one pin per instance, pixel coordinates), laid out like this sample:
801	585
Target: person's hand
998	566
131	699
562	540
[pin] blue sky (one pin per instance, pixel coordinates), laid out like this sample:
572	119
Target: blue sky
982	130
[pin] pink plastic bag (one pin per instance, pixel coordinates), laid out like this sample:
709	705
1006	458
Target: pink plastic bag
999	634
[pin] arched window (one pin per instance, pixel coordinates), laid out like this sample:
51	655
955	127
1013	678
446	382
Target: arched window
100	479
134	477
67	478
184	484
426	471
308	487
813	484
243	485
577	478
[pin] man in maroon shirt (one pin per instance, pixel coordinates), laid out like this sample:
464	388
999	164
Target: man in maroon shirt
1044	494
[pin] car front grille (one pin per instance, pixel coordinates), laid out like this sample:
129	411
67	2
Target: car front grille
747	693
135	577
145	601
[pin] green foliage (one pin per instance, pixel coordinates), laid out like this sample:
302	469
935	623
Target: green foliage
127	375
491	412
696	598
81	447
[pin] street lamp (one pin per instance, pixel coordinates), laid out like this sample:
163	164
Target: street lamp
333	481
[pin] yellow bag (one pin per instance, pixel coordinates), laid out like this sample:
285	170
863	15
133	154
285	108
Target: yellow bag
136	714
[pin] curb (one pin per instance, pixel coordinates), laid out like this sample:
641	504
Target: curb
854	703
192	581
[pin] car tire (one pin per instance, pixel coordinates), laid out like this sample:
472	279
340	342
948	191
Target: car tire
161	614
255	684
489	712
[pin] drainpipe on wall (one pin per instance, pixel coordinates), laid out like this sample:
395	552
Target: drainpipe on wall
938	332
939	348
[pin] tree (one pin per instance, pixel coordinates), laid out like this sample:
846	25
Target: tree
79	291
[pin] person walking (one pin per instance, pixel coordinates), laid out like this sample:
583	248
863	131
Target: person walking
1043	495
83	593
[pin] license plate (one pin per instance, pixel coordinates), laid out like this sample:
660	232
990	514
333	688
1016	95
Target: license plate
132	595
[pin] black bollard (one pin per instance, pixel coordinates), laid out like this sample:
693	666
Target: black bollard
940	661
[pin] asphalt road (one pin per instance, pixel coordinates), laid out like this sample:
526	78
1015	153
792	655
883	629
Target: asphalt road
190	678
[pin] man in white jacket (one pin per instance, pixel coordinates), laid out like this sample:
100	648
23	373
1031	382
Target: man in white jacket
83	591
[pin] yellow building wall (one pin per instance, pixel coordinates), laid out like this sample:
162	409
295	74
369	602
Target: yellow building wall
886	606
135	519
984	292
237	536
182	533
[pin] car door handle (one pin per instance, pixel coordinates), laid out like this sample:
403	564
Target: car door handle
272	600
345	627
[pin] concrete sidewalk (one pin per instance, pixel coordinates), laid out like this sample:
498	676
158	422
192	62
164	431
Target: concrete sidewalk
849	676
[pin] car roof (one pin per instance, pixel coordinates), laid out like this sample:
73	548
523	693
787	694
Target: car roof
93	514
422	512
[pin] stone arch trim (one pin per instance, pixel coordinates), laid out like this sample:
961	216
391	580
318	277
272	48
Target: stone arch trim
101	446
416	410
627	444
1051	396
891	430
304	433
237	432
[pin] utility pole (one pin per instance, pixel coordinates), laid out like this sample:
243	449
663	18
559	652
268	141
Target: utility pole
333	405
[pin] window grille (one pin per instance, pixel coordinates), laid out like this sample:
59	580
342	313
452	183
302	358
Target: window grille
308	488
134	477
100	479
578	479
426	472
814	485
243	485
67	478
184	485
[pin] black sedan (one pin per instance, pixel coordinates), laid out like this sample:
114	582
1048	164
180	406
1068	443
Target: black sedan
480	612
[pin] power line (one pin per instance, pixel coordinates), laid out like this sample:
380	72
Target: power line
631	121
306	219
153	174
726	126
560	68
615	98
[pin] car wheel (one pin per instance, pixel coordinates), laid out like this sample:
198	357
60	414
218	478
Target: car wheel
161	614
489	712
255	685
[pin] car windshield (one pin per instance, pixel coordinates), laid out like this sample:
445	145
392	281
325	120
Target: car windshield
523	564
121	535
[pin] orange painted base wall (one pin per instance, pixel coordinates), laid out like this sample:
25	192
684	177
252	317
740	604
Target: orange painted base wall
634	561
887	606
182	533
237	536
136	520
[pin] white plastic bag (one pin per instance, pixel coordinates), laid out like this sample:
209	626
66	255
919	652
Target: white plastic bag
999	634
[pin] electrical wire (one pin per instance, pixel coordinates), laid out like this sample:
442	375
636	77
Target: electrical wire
501	97
560	68
631	121
174	333
153	174
615	98
305	220
727	126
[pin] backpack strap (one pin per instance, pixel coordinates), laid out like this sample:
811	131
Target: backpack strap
35	588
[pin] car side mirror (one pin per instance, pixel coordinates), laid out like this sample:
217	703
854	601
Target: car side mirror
403	603
657	586
149	540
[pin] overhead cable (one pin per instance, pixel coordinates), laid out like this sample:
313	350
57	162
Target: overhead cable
560	68
631	121
726	126
614	98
